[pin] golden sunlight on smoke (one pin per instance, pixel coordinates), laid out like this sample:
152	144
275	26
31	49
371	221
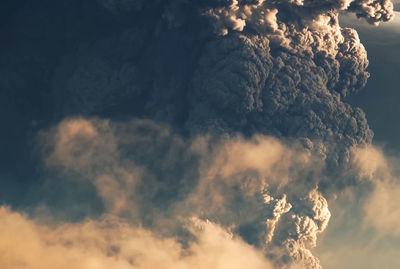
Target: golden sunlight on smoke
260	154
382	209
372	240
369	161
111	243
382	206
91	148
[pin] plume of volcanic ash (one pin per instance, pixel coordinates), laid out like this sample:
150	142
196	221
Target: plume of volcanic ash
226	75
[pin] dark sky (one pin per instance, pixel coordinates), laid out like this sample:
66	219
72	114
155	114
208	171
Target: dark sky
381	97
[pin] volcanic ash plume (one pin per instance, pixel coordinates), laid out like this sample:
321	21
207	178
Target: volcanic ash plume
144	173
246	130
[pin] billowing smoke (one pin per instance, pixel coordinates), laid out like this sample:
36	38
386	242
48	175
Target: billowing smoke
244	128
282	70
145	173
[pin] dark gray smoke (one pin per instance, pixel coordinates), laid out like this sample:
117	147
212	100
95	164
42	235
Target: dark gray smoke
285	75
222	69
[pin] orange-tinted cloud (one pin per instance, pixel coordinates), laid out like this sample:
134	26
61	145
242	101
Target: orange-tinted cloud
111	243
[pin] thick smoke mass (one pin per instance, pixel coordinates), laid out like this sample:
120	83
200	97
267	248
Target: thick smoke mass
241	125
280	73
145	173
110	243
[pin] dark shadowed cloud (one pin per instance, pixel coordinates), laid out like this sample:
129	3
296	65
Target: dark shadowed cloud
181	123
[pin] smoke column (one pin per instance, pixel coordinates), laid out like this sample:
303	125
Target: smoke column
196	122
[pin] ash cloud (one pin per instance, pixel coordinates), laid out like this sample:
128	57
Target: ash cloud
371	240
215	81
154	178
286	80
112	243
